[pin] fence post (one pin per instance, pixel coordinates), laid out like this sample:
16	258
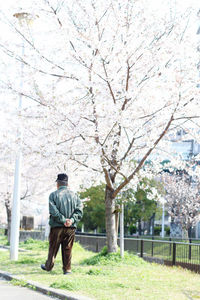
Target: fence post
142	248
97	246
174	254
170	247
190	249
152	246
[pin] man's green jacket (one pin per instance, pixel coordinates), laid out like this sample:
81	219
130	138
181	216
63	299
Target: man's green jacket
64	204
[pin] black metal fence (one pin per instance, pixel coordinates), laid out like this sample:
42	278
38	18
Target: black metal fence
186	255
148	237
171	253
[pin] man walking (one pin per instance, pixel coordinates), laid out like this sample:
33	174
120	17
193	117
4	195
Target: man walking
65	211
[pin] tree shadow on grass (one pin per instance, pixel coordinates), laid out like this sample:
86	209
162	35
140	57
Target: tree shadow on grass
192	295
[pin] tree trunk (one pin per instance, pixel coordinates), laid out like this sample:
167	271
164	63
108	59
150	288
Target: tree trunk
190	232
184	233
8	212
110	221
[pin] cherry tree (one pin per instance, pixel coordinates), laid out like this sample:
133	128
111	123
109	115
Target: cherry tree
182	199
32	193
109	79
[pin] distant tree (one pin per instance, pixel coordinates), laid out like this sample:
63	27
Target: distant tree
94	210
141	204
182	199
32	190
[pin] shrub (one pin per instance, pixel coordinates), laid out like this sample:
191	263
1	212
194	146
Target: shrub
157	230
133	229
105	258
167	229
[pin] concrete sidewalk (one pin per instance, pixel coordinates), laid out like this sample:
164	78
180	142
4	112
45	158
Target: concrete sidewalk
11	292
36	290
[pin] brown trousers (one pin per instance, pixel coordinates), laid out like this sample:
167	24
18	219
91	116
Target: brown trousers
65	237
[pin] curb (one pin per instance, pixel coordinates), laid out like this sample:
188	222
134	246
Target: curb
8	248
44	289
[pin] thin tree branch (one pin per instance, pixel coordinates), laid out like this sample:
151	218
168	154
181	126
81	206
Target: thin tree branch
21	60
128	150
33	46
22	94
127	86
188	118
108	83
72	138
113	167
54	12
108	134
25	195
125	182
85	165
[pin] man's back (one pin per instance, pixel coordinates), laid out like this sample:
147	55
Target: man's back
64	204
65	209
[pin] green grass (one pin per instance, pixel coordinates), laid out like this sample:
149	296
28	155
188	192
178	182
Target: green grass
3	240
104	276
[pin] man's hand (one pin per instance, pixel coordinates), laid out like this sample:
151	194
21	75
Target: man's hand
68	223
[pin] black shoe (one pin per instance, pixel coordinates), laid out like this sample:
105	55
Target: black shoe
67	273
43	267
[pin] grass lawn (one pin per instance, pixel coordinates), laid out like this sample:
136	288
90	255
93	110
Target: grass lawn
102	276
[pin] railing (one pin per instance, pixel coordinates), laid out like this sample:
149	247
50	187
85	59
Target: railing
186	255
171	253
148	237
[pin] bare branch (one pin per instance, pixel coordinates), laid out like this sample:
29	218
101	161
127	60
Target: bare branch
23	94
189	101
140	56
127	85
125	182
186	26
21	60
128	150
146	77
188	118
25	194
108	134
85	165
55	12
72	138
33	46
108	83
113	167
105	12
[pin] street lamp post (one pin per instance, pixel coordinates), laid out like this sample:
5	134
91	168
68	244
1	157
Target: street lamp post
15	218
163	219
122	230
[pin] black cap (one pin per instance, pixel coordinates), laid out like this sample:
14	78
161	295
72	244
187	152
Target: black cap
62	177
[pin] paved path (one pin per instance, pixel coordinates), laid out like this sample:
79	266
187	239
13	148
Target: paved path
11	292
